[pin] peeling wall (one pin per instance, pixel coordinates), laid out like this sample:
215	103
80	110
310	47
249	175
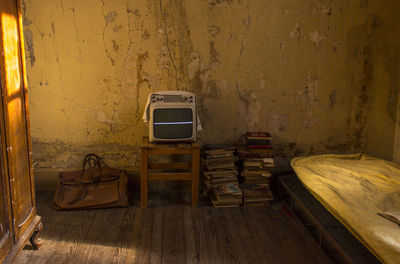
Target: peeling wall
380	77
396	145
310	72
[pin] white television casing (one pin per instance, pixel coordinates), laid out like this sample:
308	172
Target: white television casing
173	117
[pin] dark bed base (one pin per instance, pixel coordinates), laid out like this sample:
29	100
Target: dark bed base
332	236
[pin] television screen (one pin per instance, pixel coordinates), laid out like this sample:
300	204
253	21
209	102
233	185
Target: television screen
173	123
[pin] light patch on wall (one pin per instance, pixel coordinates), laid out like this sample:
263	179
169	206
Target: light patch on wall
316	38
326	11
296	33
11	55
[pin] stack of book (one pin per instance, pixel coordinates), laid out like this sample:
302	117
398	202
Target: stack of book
219	171
256	161
258	140
256	194
256	167
228	195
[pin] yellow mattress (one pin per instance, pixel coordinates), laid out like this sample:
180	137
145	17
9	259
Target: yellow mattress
354	188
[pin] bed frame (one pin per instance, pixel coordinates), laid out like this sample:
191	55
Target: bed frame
340	245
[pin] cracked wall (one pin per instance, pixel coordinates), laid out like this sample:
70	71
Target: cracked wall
311	72
380	77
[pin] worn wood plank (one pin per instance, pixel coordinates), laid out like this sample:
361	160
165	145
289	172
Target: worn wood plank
173	244
218	228
199	231
239	229
143	251
135	236
192	253
157	207
170	231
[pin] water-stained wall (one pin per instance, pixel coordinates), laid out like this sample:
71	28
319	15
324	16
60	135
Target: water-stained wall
311	72
380	78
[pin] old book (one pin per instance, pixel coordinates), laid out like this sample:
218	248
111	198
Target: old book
258	134
393	216
229	189
256	181
268	160
221	180
219	155
262	151
220	160
214	149
221	172
210	186
219	205
218	166
254	146
258	141
217	176
226	199
256	190
263	173
257	164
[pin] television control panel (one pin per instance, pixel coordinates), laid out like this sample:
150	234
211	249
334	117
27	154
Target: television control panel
157	98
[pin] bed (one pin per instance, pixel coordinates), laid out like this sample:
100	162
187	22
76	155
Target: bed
354	188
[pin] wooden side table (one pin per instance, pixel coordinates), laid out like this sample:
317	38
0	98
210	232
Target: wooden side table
191	168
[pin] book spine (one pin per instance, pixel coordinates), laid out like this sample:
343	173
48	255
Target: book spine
258	134
269	138
260	146
258	142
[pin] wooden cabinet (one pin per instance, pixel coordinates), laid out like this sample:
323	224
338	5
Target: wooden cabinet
18	219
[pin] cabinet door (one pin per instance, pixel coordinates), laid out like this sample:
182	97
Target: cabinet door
15	118
6	238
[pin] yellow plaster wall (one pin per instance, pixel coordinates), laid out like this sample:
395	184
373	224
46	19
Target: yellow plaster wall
299	69
381	81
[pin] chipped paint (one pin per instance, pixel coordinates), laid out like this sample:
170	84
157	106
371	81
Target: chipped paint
316	38
317	74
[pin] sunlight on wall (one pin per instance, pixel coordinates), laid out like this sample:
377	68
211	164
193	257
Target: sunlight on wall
11	58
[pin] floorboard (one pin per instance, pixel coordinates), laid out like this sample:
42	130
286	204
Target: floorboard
171	231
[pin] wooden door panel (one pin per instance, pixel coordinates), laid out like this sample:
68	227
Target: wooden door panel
15	121
6	237
18	162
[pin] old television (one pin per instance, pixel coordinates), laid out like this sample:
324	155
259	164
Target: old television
172	116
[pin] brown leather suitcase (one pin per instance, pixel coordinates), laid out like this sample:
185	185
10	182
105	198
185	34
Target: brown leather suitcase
95	186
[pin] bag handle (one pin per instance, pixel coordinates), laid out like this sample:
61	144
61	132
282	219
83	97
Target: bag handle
92	161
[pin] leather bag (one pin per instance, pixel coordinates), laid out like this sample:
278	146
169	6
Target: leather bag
95	186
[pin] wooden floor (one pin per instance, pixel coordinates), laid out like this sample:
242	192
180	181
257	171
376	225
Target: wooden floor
171	231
